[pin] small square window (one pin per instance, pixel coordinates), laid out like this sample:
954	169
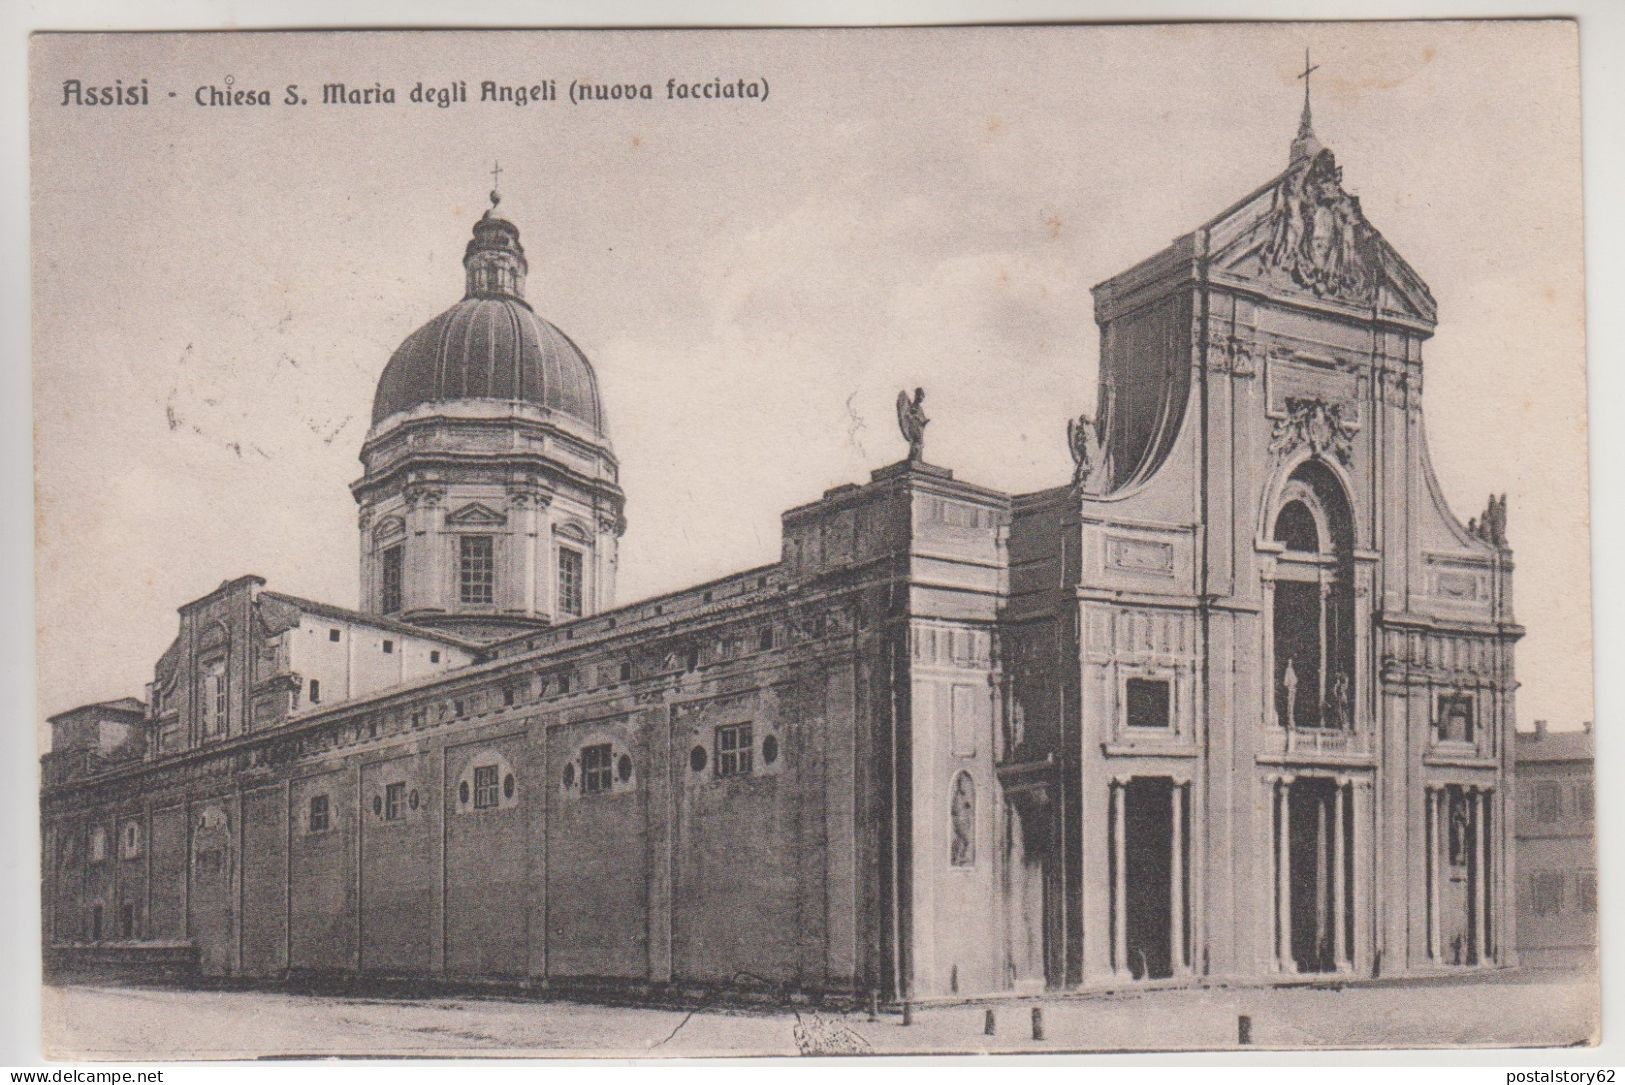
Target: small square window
485	787
1148	703
734	750
434	655
333	635
596	771
318	821
389	647
394	802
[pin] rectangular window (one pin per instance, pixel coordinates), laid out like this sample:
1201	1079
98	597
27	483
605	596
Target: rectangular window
389	647
214	697
1585	891
485	787
509	696
333	635
1584	802
389	595
734	750
98	844
434	655
1548	892
569	582
595	768
394	802
318	820
476	570
1548	803
626	672
1148	703
1455	719
130	841
315	691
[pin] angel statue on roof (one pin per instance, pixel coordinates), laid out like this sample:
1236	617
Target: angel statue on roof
1084	443
912	421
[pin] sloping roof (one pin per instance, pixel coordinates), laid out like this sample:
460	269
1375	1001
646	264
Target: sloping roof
1555	746
123	705
328	610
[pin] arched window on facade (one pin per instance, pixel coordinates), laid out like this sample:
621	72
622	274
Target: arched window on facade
1312	618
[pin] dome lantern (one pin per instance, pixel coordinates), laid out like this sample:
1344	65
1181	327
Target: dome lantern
495	260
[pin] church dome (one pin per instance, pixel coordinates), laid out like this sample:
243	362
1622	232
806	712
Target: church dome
491	345
490	348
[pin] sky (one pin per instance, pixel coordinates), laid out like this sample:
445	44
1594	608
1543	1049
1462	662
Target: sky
216	290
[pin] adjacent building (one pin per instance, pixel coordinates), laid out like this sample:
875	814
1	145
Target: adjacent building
1235	702
1557	848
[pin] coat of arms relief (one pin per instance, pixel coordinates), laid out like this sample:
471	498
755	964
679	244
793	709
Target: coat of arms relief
1317	237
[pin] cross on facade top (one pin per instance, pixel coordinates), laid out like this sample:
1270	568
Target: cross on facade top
1308	68
1304	127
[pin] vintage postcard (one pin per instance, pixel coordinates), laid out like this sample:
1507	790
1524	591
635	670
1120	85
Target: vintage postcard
682	543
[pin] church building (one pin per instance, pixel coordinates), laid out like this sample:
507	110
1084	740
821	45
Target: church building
1234	703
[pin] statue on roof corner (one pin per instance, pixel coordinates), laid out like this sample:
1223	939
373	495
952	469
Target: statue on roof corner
1084	444
1492	526
912	421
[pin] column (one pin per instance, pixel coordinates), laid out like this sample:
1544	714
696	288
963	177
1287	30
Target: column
1272	715
1339	882
1119	876
1176	867
1363	857
1283	875
1480	800
1432	796
1324	673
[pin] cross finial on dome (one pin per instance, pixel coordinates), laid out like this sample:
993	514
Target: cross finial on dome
1306	145
496	177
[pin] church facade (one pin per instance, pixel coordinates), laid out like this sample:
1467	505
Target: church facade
1235	703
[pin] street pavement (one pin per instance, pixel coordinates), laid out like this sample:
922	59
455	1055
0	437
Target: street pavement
141	1024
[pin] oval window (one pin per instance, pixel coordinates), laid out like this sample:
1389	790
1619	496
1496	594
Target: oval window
507	786
770	749
377	805
462	792
412	800
570	775
623	768
696	759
